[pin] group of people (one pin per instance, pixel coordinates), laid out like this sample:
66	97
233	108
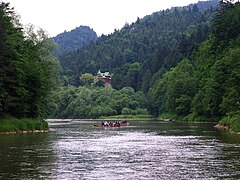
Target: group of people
118	123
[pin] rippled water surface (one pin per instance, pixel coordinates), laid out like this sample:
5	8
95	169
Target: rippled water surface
144	150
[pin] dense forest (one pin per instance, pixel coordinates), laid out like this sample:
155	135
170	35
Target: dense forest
206	88
140	53
28	71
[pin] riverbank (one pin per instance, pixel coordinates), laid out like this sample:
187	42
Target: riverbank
24	132
12	125
231	122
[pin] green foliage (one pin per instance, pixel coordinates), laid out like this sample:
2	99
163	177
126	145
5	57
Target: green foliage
207	89
136	53
226	26
217	71
86	102
168	116
9	124
232	121
230	66
174	92
87	79
28	71
128	111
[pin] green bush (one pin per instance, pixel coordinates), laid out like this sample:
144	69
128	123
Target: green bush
167	115
7	127
197	118
232	121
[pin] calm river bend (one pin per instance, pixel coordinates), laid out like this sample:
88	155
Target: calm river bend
144	150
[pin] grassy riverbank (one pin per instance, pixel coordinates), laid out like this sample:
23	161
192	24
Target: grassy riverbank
11	124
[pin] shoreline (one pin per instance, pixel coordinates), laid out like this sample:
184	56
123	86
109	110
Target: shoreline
222	127
226	128
24	132
12	125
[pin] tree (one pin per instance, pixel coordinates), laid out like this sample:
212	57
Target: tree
226	23
230	66
175	91
217	67
28	71
146	81
195	8
87	79
12	49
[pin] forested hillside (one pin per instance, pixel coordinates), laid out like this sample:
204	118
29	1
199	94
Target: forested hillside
141	52
75	39
208	87
28	71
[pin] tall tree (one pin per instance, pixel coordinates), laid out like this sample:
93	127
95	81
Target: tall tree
27	70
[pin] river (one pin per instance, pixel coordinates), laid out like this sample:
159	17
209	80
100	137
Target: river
145	150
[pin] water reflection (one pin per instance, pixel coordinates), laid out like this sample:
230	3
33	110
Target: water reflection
144	150
25	156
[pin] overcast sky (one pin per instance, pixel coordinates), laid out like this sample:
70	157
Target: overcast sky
103	16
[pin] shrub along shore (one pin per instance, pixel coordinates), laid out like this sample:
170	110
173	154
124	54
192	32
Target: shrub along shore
231	122
11	125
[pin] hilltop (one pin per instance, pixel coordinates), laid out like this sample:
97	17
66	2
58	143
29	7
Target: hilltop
75	39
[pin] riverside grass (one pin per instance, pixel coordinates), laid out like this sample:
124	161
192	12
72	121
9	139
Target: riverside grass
11	124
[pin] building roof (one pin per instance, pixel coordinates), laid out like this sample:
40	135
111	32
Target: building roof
104	74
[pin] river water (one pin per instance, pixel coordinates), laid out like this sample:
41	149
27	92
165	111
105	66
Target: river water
143	150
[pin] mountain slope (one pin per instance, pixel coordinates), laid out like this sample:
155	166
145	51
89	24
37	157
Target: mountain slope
140	53
74	39
207	88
